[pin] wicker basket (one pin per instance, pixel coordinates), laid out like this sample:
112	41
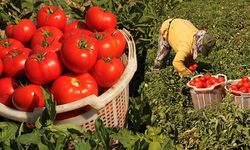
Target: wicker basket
111	106
239	98
206	97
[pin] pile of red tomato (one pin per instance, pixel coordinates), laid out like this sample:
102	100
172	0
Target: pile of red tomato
243	85
206	81
71	59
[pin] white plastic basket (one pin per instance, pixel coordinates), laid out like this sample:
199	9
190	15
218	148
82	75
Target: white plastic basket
206	97
110	106
239	98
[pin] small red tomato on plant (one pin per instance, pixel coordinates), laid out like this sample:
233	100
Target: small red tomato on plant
99	20
22	31
7	86
108	71
13	62
9	44
26	98
72	87
51	16
42	68
79	53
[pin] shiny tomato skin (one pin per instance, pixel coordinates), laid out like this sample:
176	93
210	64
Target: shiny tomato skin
99	20
245	79
28	97
72	87
85	32
51	16
1	67
108	72
42	68
79	53
106	46
8	44
120	40
75	25
13	62
7	86
9	30
23	31
45	46
46	33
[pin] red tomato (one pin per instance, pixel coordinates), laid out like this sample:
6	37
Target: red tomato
8	44
246	84
75	25
42	68
207	76
106	45
120	41
46	33
108	71
192	82
79	53
243	90
9	30
51	16
28	97
72	87
208	83
7	86
199	84
233	88
66	35
99	20
203	79
22	31
214	80
221	79
239	84
46	46
198	79
1	67
245	79
13	62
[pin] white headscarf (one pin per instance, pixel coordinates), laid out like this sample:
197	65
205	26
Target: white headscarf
197	46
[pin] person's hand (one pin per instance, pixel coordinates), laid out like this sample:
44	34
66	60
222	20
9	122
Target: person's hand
186	73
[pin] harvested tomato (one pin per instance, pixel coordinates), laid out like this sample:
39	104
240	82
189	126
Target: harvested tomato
99	20
7	86
75	25
84	32
120	41
51	16
9	44
1	67
79	53
13	62
245	79
108	71
46	33
22	31
47	46
72	87
42	68
28	97
106	45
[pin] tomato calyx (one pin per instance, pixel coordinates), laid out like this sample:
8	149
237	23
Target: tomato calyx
75	82
6	44
83	45
108	59
46	33
39	57
45	44
14	53
50	11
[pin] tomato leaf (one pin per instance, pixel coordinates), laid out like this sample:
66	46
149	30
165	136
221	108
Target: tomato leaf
49	113
81	144
8	132
102	133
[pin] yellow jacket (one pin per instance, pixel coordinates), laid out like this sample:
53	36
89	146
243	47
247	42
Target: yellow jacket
180	37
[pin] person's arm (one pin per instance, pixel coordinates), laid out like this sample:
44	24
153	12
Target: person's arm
178	64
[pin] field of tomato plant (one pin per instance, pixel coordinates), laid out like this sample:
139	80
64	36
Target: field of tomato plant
161	113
